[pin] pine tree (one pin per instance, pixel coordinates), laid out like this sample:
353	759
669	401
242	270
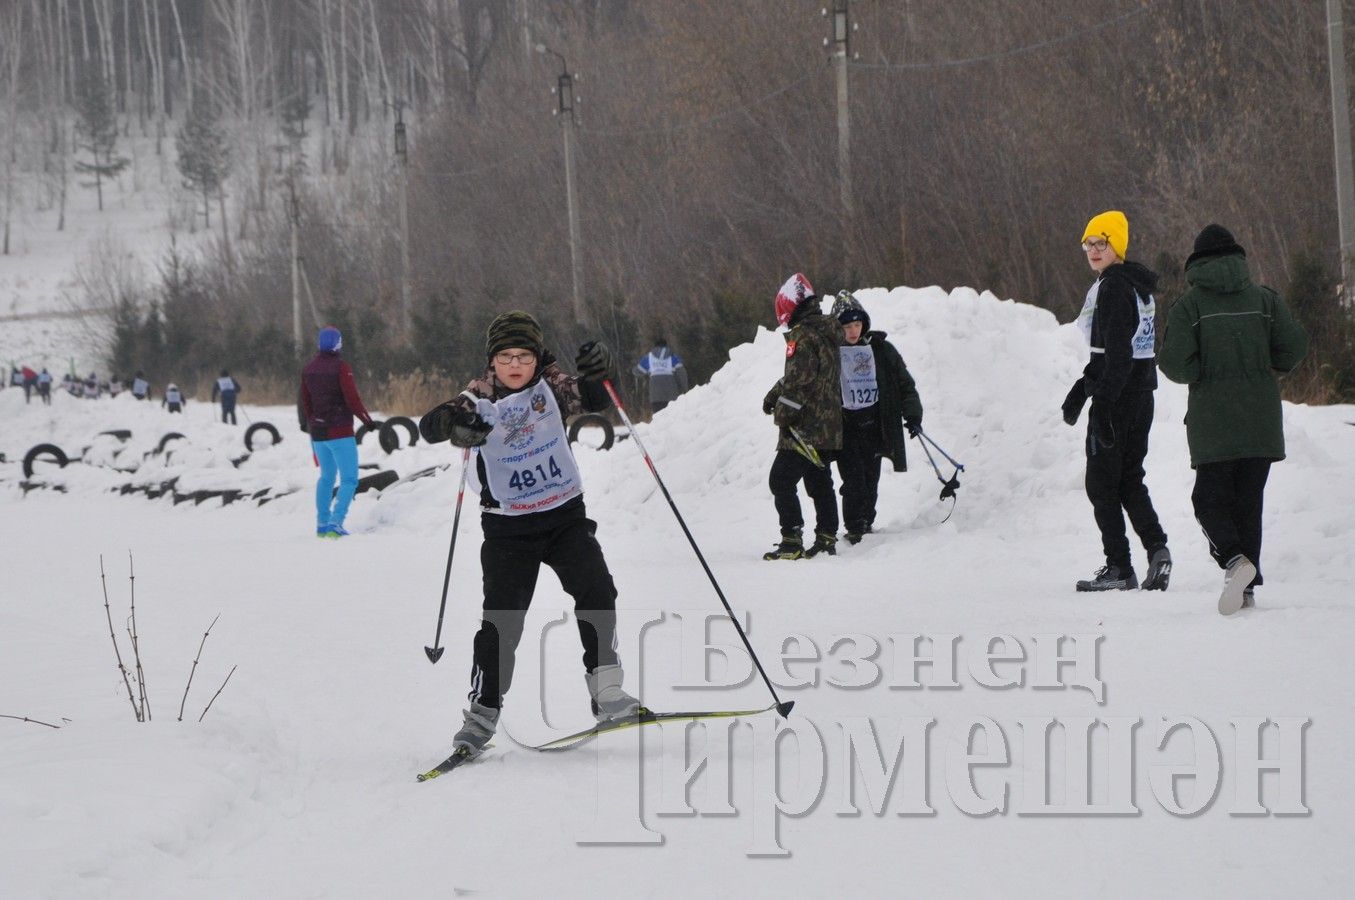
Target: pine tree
97	131
204	157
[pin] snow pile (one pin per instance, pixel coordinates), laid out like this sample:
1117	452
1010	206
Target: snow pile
299	782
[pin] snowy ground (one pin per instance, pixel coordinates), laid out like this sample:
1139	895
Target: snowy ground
299	782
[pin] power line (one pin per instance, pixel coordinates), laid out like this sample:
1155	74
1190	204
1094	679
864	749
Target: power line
1029	48
700	123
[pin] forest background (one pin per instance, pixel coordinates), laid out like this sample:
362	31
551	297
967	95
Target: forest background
704	137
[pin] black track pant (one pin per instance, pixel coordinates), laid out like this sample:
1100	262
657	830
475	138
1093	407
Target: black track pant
788	470
1115	480
1228	497
859	466
228	407
511	565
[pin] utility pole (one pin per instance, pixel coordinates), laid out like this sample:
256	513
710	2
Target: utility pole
564	91
402	154
841	46
293	215
1340	120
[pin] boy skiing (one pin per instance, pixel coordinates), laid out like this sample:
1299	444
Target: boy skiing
806	404
879	398
532	512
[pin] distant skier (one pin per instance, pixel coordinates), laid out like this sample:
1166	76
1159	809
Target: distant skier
45	386
666	373
879	397
329	401
92	386
30	381
806	404
1119	379
115	386
226	388
141	388
174	398
1227	337
532	513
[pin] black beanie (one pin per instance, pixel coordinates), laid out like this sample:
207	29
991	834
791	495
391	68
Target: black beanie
1214	240
514	329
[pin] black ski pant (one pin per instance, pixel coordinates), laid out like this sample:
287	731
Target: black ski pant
858	464
1227	498
510	566
1115	480
788	470
228	407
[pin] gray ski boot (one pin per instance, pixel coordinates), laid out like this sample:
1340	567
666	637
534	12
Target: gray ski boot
609	700
480	724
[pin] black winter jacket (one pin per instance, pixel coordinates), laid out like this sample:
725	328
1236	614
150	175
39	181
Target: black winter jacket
1112	369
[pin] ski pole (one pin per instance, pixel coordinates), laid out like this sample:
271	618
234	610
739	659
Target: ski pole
928	438
435	652
782	708
948	488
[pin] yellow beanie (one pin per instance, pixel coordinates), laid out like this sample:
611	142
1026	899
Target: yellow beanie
1114	227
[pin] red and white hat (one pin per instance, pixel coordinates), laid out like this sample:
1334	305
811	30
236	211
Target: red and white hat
796	290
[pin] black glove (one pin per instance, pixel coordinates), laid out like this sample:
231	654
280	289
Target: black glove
769	403
1100	429
462	427
468	429
1072	404
594	361
913	425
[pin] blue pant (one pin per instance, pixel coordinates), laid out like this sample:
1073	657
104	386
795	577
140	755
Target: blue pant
338	458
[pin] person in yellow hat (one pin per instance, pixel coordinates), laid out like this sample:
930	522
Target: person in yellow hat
1117	320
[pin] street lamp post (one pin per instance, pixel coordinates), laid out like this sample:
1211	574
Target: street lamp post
564	91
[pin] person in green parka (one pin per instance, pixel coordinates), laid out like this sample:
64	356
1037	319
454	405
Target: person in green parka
1227	338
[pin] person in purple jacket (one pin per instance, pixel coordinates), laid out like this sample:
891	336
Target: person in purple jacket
329	401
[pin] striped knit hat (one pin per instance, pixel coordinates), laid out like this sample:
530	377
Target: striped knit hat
514	329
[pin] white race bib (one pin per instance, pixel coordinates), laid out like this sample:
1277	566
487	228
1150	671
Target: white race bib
860	388
528	463
660	365
1145	338
225	384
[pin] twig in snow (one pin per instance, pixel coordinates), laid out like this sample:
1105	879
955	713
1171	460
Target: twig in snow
218	693
117	652
26	719
195	667
136	643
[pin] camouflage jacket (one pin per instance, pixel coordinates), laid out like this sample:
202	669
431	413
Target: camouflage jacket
808	397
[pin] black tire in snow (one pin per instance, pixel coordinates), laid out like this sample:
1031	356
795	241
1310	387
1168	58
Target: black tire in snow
56	453
378	482
255	429
172	436
364	428
390	439
593	420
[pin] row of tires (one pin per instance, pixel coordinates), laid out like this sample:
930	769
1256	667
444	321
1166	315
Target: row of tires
53	453
387	436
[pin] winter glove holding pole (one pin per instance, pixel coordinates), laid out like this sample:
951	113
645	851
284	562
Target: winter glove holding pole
1073	403
594	361
914	426
462	427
